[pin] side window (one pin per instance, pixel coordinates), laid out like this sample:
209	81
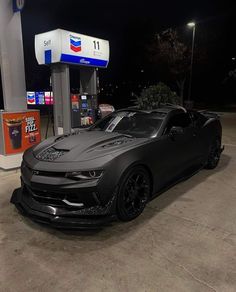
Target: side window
180	120
198	119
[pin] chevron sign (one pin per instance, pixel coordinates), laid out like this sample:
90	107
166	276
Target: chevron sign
75	43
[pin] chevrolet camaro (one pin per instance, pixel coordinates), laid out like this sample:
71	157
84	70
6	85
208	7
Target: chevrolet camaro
114	168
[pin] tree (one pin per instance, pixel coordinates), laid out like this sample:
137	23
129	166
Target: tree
232	75
230	82
154	95
168	50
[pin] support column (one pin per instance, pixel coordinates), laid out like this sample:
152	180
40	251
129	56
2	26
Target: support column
12	58
88	81
61	96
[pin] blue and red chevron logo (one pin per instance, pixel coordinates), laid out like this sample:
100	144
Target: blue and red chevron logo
75	44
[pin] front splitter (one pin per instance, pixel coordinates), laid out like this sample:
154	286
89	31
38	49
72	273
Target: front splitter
60	222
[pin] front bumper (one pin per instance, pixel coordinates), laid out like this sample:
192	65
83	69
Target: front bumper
60	217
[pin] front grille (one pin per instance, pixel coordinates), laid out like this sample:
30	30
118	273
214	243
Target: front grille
45	173
51	154
57	199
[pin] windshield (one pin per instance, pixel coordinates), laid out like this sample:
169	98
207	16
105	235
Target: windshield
137	124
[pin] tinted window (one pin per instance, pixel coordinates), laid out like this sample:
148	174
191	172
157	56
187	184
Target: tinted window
102	124
198	119
180	120
136	124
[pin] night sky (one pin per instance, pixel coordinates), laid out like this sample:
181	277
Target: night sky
129	26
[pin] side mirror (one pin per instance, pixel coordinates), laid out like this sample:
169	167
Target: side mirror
176	131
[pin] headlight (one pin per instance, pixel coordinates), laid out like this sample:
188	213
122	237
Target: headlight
85	175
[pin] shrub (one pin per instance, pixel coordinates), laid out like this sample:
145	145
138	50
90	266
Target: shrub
154	95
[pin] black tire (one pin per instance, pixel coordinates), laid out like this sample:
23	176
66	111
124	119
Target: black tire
133	193
214	155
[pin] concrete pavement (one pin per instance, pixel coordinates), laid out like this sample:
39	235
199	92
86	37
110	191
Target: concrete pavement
184	241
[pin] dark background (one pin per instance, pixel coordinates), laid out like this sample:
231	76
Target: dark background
130	27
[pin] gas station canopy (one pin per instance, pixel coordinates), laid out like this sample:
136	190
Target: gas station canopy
61	46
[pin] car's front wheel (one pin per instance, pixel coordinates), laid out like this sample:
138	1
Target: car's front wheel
214	155
133	194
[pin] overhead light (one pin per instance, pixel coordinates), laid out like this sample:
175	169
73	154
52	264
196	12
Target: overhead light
191	24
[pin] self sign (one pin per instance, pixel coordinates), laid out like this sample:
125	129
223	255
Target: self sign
18	5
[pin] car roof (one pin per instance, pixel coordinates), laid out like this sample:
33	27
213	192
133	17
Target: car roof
162	109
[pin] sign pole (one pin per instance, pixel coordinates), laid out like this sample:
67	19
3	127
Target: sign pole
61	94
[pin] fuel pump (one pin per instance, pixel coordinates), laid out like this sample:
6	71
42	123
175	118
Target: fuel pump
84	110
61	49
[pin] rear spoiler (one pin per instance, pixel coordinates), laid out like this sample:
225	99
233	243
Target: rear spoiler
210	115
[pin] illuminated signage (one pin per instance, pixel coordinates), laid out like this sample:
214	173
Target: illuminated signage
84	105
39	98
61	46
31	97
21	131
48	95
75	43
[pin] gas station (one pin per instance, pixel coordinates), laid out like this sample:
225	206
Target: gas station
183	241
61	50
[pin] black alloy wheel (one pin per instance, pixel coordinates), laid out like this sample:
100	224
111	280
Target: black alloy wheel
214	155
134	193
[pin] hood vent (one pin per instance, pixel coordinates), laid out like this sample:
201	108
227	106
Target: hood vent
51	154
76	132
116	143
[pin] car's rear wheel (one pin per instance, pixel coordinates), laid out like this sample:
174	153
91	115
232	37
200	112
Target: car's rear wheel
133	194
214	155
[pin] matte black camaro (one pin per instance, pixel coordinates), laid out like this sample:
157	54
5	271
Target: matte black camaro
115	167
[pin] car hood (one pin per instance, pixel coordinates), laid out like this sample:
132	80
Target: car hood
84	145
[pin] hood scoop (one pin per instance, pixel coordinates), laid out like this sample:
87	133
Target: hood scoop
51	154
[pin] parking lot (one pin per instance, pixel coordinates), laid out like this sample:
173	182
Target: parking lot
184	241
